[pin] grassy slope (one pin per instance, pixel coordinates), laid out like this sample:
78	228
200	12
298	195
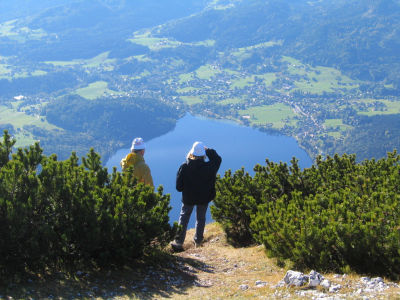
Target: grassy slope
214	271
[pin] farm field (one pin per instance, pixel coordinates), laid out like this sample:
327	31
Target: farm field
277	115
95	90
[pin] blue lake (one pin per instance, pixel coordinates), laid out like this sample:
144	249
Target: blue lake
239	146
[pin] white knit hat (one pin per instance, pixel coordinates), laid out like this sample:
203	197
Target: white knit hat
138	144
198	149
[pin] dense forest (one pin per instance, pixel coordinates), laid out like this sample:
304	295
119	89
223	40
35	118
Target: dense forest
106	124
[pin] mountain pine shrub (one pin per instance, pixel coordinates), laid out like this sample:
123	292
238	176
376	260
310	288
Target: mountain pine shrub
338	215
59	214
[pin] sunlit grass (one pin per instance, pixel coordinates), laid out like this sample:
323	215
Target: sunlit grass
95	90
100	60
228	101
4	71
207	72
156	43
231	72
386	107
23	139
10	72
335	134
336	123
19	119
268	78
242	82
183	78
277	114
317	80
141	58
10	30
245	51
6	28
190	100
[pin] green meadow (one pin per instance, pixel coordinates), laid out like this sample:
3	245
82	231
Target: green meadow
18	120
141	58
100	60
5	72
9	72
6	28
95	90
228	101
277	114
389	107
190	100
183	78
245	52
335	128
242	82
268	78
20	34
231	72
155	44
316	80
207	72
336	123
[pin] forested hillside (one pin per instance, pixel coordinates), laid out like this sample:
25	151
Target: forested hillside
319	71
361	38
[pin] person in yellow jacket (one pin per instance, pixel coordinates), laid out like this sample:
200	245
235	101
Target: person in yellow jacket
141	170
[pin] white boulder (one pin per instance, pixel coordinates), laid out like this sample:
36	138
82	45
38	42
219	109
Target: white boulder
295	278
314	279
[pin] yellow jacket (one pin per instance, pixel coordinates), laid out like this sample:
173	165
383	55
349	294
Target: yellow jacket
140	169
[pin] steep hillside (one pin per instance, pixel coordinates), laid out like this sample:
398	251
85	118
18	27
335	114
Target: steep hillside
10	10
361	38
83	29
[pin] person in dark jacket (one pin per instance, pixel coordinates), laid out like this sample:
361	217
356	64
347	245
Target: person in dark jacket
196	180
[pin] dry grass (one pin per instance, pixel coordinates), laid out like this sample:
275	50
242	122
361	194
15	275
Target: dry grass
215	270
228	268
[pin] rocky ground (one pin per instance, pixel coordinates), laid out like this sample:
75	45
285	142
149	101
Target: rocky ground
215	270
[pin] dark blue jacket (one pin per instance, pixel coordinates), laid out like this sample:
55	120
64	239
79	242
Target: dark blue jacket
196	179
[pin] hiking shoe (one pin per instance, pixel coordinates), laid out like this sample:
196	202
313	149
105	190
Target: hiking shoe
176	246
197	244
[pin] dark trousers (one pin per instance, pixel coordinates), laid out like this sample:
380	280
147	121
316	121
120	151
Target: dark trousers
186	211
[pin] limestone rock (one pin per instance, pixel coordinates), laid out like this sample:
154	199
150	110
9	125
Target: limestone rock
326	283
314	279
295	278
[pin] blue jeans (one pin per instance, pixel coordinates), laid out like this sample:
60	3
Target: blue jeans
186	211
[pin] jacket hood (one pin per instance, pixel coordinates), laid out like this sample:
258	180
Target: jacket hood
135	158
